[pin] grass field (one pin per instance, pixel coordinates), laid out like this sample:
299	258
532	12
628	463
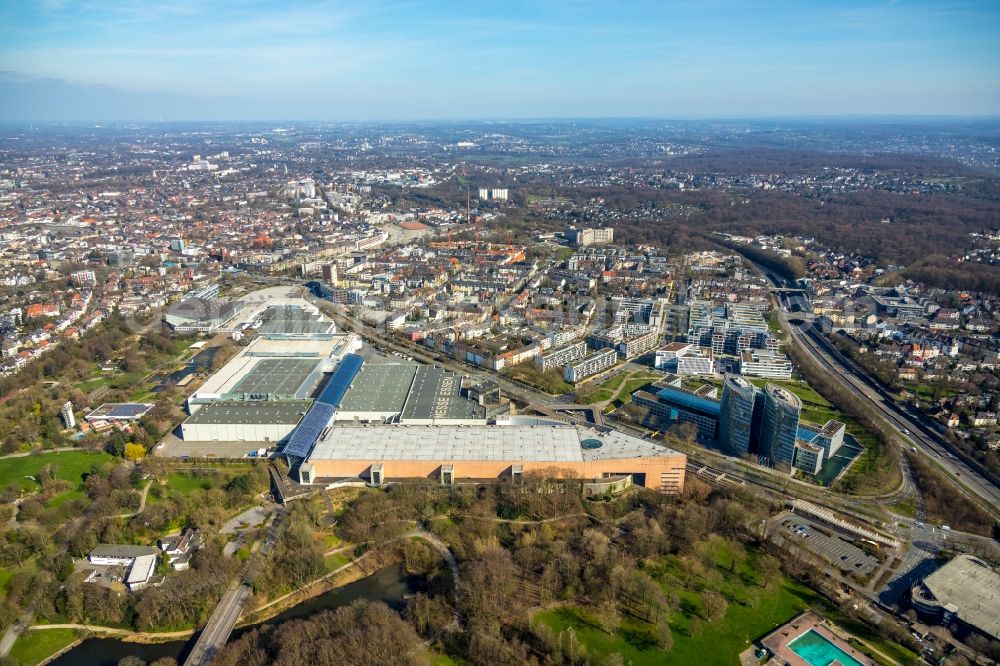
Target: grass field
34	647
335	561
438	659
69	466
715	643
186	483
619	387
806	393
96	382
6	573
752	612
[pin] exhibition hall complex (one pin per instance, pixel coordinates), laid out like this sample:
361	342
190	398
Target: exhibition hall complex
338	411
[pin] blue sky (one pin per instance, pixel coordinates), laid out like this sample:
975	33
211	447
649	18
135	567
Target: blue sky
262	59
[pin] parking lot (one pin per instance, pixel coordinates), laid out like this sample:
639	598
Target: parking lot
835	550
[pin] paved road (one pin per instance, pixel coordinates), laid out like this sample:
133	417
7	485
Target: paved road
911	428
213	638
13	631
908	427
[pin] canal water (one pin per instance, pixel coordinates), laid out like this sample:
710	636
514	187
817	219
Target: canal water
390	585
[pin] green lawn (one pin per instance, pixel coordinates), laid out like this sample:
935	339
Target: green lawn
335	561
712	643
551	382
68	465
186	484
6	573
438	659
34	647
96	382
68	496
805	392
620	387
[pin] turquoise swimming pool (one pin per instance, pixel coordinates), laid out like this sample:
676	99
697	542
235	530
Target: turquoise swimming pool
818	651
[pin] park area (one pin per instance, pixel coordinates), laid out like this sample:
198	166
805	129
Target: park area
34	647
705	631
617	389
699	635
21	474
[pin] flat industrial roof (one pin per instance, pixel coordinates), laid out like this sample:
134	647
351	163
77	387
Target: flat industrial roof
416	392
544	443
142	569
276	375
292	327
379	387
250	413
436	394
294	320
259	348
973	586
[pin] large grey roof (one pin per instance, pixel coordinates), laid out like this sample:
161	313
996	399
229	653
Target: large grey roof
415	392
435	394
974	587
250	412
276	375
379	387
121	550
561	443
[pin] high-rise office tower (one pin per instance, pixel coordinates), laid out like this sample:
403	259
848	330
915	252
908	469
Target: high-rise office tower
779	425
736	415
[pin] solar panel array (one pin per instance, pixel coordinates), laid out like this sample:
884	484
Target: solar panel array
301	442
308	431
335	389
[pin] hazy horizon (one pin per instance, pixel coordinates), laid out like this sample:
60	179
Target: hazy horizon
183	60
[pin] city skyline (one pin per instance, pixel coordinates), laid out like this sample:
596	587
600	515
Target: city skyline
94	61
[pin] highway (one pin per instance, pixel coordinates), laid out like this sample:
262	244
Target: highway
910	428
215	634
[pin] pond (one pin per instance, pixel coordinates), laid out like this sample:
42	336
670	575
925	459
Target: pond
390	585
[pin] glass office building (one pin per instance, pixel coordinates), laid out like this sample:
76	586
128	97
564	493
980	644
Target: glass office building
780	425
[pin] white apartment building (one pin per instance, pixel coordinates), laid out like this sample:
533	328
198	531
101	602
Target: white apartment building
590	365
764	363
560	357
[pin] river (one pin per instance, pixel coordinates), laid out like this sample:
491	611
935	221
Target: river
389	585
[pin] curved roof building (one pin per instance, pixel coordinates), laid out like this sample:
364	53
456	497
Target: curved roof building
736	415
780	425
